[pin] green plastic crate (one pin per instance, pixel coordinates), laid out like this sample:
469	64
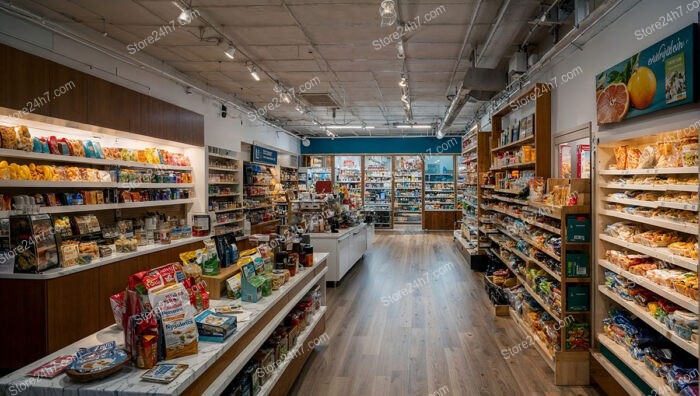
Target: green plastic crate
577	265
578	228
577	298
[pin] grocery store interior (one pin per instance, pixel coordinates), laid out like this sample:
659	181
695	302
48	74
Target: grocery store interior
335	197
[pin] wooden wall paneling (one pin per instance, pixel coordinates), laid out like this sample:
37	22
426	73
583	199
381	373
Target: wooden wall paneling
24	79
113	279
25	301
72	303
543	132
113	106
73	104
191	127
439	220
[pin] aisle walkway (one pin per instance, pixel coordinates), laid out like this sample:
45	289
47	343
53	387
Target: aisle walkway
438	338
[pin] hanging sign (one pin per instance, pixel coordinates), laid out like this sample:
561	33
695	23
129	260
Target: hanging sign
263	155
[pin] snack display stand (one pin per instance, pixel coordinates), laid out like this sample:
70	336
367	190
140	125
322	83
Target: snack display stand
439	194
258	184
215	364
647	221
408	190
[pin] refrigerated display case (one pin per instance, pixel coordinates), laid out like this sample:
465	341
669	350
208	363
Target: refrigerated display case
408	190
378	190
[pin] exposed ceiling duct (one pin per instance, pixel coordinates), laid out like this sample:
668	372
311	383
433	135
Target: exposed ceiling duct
479	84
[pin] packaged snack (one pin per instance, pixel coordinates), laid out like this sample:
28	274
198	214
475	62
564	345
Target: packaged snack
69	253
633	157
9	138
669	156
146	341
117	303
164	373
24	142
233	287
621	157
215	327
199	296
179	330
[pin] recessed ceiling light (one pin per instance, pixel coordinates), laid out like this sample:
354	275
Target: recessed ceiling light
230	51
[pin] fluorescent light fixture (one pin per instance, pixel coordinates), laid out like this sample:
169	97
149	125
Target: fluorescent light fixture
349	127
414	126
230	51
185	16
253	72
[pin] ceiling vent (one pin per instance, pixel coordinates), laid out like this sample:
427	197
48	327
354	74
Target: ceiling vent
318	99
483	84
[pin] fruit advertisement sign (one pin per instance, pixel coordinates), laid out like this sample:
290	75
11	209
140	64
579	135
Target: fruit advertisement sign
654	79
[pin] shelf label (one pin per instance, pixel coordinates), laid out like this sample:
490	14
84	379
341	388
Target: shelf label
263	155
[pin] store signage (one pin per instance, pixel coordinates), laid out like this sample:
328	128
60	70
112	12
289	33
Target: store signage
656	78
264	156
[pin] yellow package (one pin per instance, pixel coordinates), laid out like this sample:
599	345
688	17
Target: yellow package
188	257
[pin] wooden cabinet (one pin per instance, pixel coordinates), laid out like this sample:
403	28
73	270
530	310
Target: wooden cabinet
24	81
71	308
113	106
439	220
73	103
23	334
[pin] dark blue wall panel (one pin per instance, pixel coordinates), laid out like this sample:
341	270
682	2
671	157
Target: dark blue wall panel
414	145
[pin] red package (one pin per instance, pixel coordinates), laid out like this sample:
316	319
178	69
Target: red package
70	146
52	368
145	341
53	146
199	296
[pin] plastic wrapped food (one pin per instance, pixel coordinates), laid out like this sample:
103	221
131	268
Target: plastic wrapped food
621	157
623	230
669	156
634	156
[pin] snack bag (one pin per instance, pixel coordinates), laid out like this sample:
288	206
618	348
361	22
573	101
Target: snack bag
117	303
179	330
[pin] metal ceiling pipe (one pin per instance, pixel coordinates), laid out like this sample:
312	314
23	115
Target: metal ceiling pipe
78	38
462	95
492	33
538	22
464	44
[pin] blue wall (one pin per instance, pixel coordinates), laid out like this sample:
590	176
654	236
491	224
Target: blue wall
397	145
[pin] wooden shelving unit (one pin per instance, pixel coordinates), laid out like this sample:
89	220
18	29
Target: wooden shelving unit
378	187
258	185
641	203
224	174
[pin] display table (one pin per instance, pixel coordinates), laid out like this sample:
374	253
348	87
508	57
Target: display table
213	367
345	248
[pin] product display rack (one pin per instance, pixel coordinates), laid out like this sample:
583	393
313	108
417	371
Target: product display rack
439	182
514	246
408	187
288	187
348	175
224	195
631	202
258	184
475	157
378	189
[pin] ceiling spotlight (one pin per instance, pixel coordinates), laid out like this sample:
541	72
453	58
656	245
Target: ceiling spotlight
299	108
403	83
404	98
329	133
253	71
440	134
306	142
230	51
315	122
185	16
285	98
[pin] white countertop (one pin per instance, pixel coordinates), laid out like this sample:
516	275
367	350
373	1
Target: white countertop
128	380
58	272
342	232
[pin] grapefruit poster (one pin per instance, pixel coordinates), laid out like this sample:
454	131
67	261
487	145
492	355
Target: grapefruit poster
654	79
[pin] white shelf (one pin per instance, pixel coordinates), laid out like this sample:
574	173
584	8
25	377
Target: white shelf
225	195
688	228
651	187
28	155
665	292
227	222
645	315
216	168
90	208
637	366
653	204
58	184
231	183
659	253
156	185
658	171
222	156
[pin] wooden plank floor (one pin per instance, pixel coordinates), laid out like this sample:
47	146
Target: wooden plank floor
442	334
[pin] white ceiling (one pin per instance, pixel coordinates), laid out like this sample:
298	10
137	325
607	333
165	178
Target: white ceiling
295	41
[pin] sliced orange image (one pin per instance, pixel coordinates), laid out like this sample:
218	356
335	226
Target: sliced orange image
613	103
